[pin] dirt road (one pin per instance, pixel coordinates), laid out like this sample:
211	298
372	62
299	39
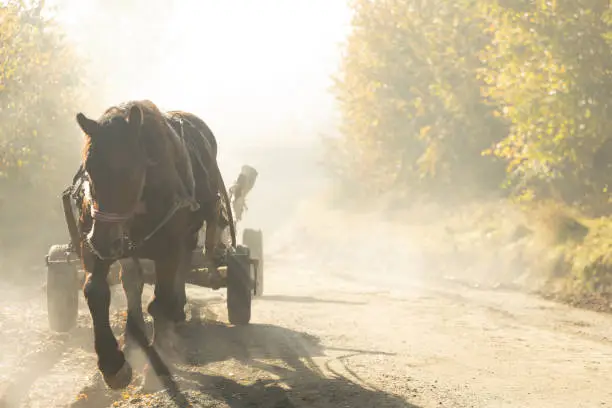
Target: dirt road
334	333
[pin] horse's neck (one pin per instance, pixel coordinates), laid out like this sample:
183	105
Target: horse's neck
168	188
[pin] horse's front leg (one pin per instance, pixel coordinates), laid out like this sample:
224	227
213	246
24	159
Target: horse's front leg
111	361
132	279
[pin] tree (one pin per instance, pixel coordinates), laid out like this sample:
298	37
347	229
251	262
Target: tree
549	69
431	91
410	97
40	92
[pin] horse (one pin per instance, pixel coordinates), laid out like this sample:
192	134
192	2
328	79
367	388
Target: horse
151	181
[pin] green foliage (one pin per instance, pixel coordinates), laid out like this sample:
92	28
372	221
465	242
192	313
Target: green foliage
40	92
410	98
548	68
434	93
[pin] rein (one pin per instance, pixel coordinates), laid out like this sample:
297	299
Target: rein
178	204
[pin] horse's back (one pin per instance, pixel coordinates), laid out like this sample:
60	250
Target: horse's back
201	147
200	126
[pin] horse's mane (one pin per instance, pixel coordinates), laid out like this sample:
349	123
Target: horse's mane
152	116
154	131
153	119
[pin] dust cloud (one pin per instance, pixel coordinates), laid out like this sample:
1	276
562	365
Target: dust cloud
258	74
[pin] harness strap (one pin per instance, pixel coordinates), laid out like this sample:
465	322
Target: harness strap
112	217
178	204
187	192
184	198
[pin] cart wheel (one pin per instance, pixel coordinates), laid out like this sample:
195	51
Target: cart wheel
239	286
253	239
62	290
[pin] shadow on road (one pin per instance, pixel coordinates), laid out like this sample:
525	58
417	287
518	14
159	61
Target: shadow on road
286	358
310	391
250	366
307	299
213	341
223	366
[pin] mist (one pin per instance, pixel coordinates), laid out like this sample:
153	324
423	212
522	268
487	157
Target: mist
400	272
257	72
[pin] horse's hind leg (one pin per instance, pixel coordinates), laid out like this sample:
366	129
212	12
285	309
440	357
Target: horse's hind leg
181	279
163	308
132	279
111	361
164	304
211	241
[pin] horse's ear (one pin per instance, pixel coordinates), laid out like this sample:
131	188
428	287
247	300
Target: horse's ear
89	126
135	119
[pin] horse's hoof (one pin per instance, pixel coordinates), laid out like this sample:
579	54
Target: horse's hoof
168	344
181	327
121	378
153	383
135	355
170	352
179	316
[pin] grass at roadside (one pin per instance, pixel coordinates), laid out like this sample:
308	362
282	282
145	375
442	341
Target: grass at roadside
545	248
586	277
542	248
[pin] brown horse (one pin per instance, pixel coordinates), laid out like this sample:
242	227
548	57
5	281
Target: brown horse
191	129
152	180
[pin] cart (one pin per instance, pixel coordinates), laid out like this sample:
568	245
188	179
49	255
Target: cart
240	267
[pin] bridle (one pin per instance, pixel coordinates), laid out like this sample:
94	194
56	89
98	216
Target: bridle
111	217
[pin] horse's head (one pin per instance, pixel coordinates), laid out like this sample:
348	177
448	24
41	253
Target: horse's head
116	164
